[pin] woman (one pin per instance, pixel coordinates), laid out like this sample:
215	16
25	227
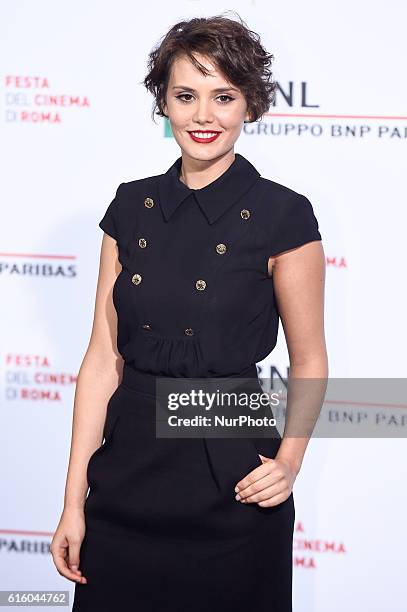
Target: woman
197	265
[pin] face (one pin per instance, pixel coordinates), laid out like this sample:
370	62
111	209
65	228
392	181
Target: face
196	103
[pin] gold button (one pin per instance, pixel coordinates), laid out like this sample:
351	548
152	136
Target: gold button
136	279
221	248
142	243
146	326
189	331
200	284
245	214
149	202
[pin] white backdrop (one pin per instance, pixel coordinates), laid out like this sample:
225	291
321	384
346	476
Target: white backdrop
75	123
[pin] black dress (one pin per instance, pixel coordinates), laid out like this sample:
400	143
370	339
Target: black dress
164	532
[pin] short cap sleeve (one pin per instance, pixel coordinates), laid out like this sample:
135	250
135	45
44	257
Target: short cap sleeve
109	222
295	226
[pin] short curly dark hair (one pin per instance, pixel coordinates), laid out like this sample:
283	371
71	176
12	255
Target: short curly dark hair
231	45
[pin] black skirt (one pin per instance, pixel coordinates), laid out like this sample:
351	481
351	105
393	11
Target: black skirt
164	532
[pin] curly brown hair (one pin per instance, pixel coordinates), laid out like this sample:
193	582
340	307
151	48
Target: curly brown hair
231	45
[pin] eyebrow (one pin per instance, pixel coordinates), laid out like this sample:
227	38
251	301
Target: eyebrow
217	90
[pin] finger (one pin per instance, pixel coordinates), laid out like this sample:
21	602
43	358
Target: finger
73	556
256	487
268	492
275	500
248	484
258	472
64	570
59	558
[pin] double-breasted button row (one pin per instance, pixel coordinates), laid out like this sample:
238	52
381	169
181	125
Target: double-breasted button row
221	249
244	213
200	283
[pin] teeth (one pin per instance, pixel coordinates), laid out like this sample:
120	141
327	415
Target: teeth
204	135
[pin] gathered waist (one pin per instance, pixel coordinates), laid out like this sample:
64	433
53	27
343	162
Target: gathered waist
145	382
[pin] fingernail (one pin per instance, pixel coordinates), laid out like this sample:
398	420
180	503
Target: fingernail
237	489
237	497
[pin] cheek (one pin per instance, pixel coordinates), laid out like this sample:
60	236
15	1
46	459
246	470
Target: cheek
178	130
232	119
180	116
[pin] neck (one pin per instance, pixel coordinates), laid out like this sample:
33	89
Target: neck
196	174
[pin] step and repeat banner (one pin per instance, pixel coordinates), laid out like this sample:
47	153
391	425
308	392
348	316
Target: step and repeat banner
75	123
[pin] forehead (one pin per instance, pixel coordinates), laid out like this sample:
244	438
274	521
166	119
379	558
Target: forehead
183	70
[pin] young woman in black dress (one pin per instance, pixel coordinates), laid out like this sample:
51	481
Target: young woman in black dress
198	264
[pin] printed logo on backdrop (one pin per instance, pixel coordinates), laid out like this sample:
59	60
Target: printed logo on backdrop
33	378
39	265
14	541
31	99
307	550
298	114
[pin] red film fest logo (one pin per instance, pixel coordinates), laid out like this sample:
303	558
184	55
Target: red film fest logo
29	99
32	378
308	551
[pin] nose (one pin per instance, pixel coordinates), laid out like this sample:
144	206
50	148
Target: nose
203	113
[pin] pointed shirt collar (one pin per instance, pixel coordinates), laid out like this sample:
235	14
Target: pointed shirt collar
214	199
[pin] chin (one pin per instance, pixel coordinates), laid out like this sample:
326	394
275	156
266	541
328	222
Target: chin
206	154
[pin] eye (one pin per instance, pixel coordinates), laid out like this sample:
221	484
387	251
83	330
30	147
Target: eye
226	96
180	96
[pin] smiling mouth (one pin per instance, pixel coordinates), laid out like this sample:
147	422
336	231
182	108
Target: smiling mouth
204	136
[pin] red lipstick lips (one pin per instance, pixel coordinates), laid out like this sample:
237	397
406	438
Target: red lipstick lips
212	135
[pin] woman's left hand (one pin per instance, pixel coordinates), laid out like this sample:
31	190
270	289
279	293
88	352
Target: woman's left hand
269	484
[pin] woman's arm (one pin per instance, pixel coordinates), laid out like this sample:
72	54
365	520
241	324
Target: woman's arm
99	375
299	284
298	279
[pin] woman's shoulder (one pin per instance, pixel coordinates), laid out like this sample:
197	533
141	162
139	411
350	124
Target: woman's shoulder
288	214
122	211
279	192
279	201
134	185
